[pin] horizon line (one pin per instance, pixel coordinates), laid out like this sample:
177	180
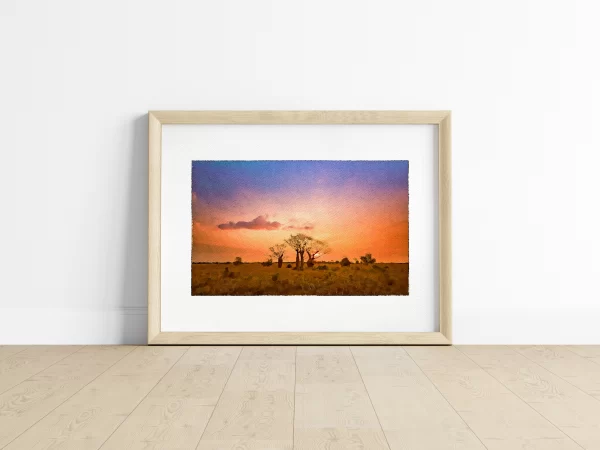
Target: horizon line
294	262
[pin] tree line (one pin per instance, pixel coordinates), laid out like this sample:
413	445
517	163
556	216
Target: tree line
303	245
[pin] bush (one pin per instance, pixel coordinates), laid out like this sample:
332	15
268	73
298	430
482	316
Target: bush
345	262
322	267
238	261
289	266
268	262
367	259
275	277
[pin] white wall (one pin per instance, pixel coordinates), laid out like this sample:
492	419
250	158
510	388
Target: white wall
522	78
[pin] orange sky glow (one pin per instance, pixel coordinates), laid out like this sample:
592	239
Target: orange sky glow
242	208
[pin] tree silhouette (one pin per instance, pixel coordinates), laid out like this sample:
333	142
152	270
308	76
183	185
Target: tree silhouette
315	249
367	259
278	252
299	243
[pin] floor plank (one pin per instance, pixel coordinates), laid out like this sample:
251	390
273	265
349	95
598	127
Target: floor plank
89	417
412	412
175	413
256	409
500	419
19	366
25	404
577	370
590	352
333	409
576	413
8	350
320	398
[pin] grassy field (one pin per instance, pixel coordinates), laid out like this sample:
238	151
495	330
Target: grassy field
323	279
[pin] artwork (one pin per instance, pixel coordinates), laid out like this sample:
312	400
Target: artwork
300	228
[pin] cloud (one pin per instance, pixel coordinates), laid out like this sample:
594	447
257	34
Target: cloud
295	224
306	226
260	223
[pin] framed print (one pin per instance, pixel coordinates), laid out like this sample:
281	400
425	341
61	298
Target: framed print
299	227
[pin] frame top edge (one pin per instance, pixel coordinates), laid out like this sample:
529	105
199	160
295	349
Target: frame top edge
299	117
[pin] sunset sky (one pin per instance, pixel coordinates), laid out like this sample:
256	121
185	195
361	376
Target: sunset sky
241	208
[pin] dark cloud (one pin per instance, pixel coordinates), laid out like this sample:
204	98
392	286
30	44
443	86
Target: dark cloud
260	223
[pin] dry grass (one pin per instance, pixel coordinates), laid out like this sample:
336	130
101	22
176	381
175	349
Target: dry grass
255	279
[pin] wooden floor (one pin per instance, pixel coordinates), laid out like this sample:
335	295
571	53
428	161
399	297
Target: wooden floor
317	398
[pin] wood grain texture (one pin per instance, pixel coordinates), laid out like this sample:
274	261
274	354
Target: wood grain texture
267	338
23	364
580	372
345	398
591	352
175	413
154	223
412	412
445	225
300	117
256	409
574	412
90	416
25	404
500	419
8	350
158	118
333	409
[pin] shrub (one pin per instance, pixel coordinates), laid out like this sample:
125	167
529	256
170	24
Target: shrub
268	262
323	267
228	274
345	262
289	266
275	277
238	261
367	259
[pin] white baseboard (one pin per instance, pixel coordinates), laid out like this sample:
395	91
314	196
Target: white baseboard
128	325
122	325
527	326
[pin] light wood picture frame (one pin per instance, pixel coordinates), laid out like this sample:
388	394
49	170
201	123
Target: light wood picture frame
156	120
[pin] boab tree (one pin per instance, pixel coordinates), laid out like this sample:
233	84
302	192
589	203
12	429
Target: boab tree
315	249
277	251
299	243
